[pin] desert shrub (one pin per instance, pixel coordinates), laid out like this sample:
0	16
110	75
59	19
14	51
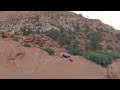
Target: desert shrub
37	18
16	33
13	35
109	47
87	28
49	50
62	36
26	30
74	51
74	43
94	41
113	54
118	36
63	40
59	36
76	26
41	43
89	46
62	30
54	34
52	17
15	39
33	32
37	31
69	31
72	37
26	33
99	58
100	30
3	35
27	45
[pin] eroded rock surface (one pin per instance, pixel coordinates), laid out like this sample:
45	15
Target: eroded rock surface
113	70
17	61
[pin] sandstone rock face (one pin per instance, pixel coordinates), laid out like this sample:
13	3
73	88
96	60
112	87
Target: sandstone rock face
17	61
29	38
113	70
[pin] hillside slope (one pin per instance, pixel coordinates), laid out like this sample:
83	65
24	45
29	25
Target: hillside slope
24	36
17	61
46	20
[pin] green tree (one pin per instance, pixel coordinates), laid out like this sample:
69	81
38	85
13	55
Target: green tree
95	39
62	30
37	31
4	35
99	58
26	30
16	33
74	51
63	40
41	43
74	43
54	34
109	47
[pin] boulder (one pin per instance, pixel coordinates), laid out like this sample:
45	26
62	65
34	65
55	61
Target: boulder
113	70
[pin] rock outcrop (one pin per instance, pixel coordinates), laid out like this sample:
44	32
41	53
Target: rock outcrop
29	38
113	70
45	20
17	61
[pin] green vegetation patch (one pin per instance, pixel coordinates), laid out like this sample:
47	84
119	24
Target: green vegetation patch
49	50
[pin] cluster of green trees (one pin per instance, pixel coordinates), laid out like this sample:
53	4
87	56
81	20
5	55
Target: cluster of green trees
4	35
74	51
63	37
41	43
102	58
93	41
27	31
59	36
99	58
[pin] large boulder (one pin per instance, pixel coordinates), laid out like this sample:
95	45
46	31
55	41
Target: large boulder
113	70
